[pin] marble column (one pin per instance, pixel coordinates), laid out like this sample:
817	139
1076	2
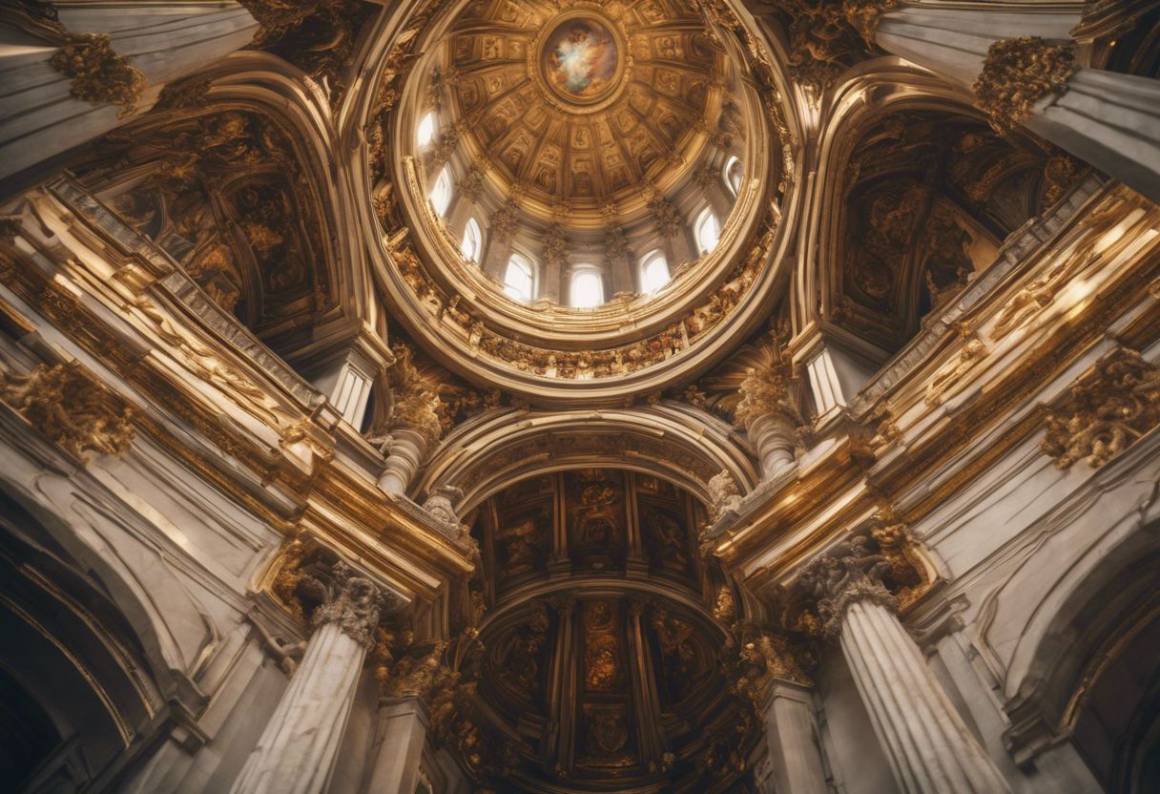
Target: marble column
791	737
405	451
1107	119
40	116
770	417
929	746
297	751
398	748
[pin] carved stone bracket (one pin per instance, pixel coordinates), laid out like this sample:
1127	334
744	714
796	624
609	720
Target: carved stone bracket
1108	408
1019	72
66	405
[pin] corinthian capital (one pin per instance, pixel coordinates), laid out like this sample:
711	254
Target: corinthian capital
354	604
850	572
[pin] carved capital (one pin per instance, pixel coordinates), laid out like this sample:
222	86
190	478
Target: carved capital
1019	72
354	604
883	567
98	73
1109	407
67	406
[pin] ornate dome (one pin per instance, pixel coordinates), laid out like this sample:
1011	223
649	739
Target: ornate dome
581	109
579	195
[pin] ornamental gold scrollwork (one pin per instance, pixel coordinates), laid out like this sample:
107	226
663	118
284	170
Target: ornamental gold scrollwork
1019	72
70	408
1107	410
432	672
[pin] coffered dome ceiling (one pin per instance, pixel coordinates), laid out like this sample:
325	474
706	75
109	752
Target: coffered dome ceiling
638	151
589	110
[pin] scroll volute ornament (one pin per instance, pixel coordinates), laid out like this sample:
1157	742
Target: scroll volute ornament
1109	407
1019	72
71	409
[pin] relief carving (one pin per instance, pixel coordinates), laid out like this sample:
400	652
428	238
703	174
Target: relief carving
67	406
1019	72
1107	410
98	73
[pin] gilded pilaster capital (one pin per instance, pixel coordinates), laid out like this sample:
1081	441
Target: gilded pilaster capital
1108	408
67	406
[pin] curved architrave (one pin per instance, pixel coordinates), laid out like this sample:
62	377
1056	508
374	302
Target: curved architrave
400	31
267	86
677	443
871	90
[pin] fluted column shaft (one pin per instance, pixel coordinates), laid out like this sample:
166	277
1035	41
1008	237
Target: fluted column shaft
297	751
1109	120
929	746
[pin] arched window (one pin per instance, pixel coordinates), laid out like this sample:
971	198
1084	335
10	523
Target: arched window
654	272
707	231
472	243
425	132
586	288
441	193
518	278
732	174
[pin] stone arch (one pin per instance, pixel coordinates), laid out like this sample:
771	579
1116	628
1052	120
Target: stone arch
1083	667
669	440
923	228
265	143
82	646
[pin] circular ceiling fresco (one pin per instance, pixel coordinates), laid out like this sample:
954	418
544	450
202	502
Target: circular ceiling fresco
581	61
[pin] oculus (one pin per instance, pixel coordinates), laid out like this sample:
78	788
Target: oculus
580	60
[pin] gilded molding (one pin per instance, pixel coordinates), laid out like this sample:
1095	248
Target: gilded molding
70	408
98	73
1107	410
1019	72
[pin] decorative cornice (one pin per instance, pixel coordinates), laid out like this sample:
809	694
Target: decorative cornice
98	73
66	405
1107	409
1019	72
